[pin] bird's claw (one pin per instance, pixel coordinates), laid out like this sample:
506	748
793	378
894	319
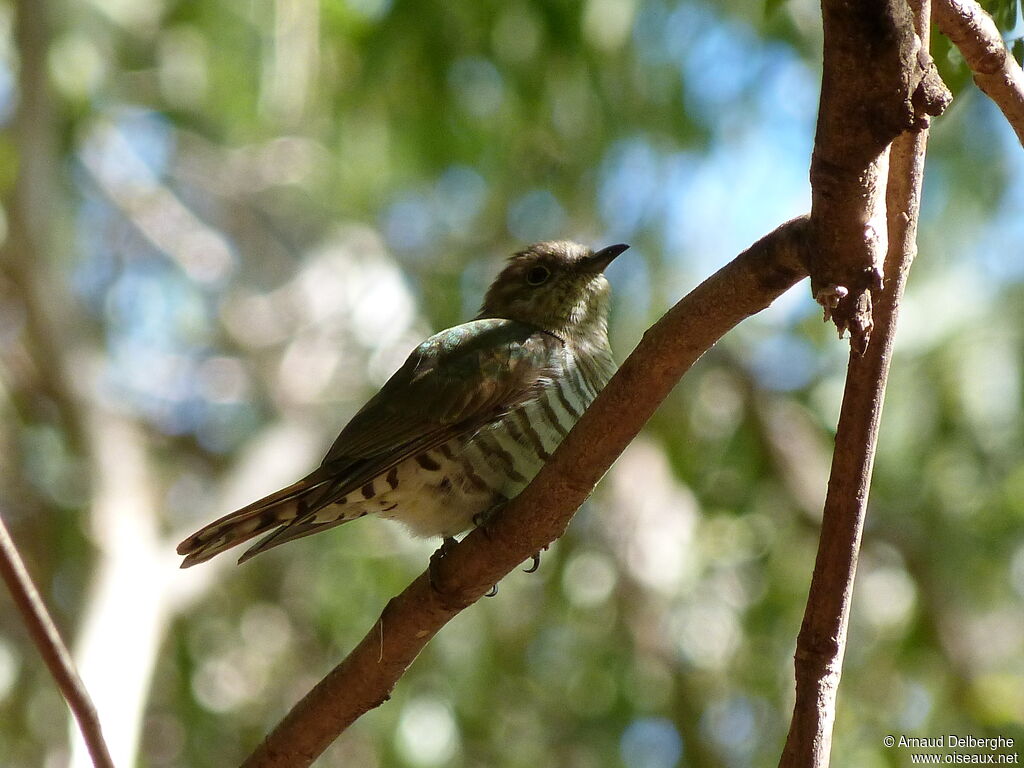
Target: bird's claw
536	561
438	556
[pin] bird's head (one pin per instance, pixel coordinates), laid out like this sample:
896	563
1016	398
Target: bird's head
558	286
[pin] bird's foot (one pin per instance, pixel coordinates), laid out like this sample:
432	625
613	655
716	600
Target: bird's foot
435	560
437	557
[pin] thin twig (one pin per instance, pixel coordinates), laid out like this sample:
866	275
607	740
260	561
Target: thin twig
995	70
822	640
542	511
51	648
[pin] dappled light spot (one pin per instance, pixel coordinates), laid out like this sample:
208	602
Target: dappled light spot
655	527
267	628
407	223
477	85
537	215
517	33
707	634
223	379
651	742
183	66
221	686
998	696
255	319
785	361
76	66
607	23
371	10
588	579
427	734
629	188
917	705
719	407
458	198
307	367
164	737
886	596
735	726
126	159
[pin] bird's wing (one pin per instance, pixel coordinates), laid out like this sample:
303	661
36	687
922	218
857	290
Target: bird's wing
453	384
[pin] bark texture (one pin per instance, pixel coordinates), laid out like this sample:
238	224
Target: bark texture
996	72
877	82
822	641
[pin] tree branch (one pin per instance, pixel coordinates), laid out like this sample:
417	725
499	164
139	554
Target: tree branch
539	514
995	70
822	640
876	83
47	639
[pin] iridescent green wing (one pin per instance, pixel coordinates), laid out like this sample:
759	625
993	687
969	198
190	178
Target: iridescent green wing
453	384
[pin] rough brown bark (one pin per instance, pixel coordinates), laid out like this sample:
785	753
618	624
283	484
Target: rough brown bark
877	81
822	640
542	511
996	72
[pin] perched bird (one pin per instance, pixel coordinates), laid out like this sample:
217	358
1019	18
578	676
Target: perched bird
465	423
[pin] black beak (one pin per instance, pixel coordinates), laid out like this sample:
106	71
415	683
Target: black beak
600	260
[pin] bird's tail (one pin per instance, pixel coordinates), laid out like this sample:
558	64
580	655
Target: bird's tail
261	516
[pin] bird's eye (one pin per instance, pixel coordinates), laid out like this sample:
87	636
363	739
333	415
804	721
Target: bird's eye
538	275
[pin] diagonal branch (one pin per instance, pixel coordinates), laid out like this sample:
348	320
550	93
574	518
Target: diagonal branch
540	514
51	648
996	72
822	640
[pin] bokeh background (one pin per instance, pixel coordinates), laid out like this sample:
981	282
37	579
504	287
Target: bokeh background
226	222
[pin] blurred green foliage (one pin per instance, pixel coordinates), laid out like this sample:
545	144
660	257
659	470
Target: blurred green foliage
226	223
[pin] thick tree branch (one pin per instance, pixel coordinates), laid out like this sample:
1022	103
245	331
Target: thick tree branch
542	511
822	640
996	72
877	81
47	639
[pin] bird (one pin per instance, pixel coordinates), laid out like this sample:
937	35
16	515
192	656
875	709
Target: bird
467	421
